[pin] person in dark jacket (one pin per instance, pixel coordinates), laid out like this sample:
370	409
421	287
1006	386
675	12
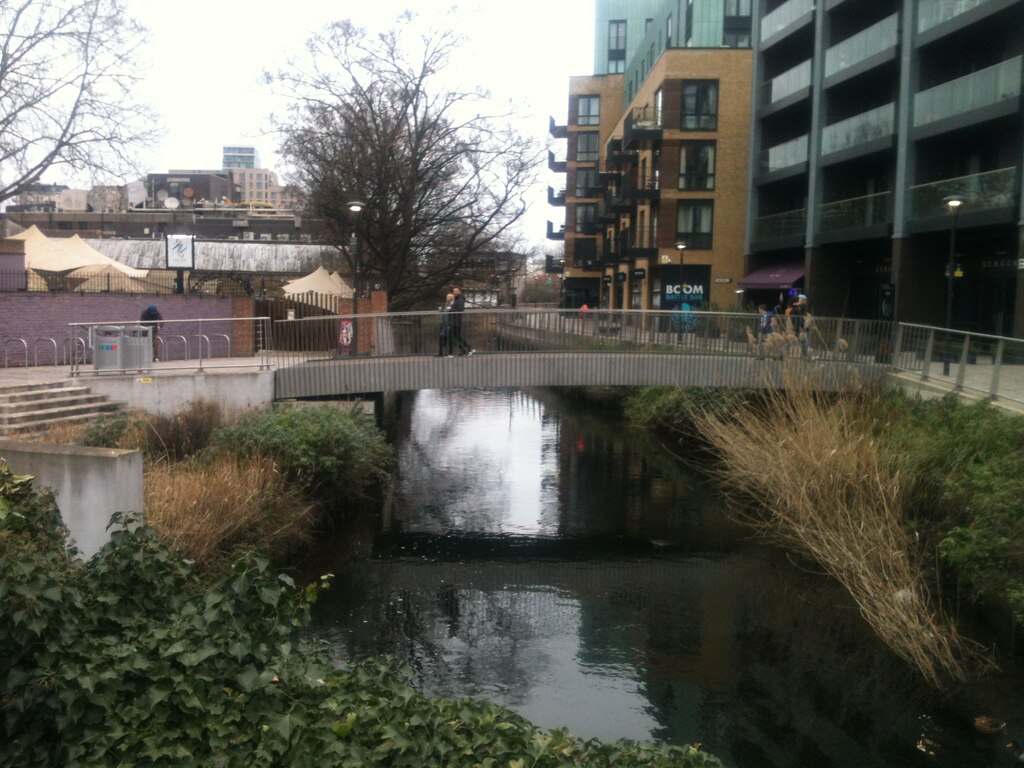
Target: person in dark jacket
458	307
151	317
444	348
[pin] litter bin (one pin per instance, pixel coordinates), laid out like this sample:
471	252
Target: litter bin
107	347
138	347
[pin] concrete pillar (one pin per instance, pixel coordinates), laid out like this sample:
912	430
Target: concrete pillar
828	281
919	278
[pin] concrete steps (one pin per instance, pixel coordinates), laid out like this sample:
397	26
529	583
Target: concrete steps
26	408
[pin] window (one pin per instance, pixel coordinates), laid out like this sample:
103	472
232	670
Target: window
694	223
586	214
736	24
586	147
668	31
588	110
700	105
586	182
616	66
737	7
736	39
616	47
697	165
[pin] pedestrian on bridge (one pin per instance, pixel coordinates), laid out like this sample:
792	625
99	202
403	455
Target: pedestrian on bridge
458	307
152	318
444	348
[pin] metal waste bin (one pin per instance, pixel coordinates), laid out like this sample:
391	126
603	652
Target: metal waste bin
107	347
138	347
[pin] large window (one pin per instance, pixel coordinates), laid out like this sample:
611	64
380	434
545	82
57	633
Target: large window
694	222
697	165
700	105
586	147
586	182
736	24
588	110
616	47
586	215
738	7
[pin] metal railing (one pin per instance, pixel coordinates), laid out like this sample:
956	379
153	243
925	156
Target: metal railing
977	364
562	330
247	344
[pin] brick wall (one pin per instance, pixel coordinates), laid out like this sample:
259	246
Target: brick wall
38	318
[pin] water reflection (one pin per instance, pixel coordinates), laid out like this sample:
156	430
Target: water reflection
538	557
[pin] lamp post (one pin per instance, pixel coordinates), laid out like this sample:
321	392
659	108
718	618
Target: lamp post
680	246
355	206
953	203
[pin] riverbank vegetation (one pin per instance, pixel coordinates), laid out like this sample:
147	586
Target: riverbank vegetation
893	495
134	657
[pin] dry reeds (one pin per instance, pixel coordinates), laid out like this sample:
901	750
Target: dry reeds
823	490
206	510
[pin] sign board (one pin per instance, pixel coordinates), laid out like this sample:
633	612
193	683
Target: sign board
607	279
181	251
723	279
620	277
639	274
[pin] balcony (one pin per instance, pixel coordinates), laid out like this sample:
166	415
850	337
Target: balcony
974	91
782	156
931	13
785	16
869	42
982	192
637	187
557	131
788	224
553	235
856	212
860	129
556	198
643	124
557	166
789	82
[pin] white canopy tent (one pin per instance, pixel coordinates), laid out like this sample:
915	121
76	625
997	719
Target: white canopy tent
56	254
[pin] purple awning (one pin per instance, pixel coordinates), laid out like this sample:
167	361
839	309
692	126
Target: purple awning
773	276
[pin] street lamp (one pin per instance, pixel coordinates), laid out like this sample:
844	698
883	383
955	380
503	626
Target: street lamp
355	206
953	203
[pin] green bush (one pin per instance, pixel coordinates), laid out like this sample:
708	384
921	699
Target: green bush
330	451
129	659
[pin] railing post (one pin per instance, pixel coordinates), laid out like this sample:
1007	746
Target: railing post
926	364
997	366
962	368
897	348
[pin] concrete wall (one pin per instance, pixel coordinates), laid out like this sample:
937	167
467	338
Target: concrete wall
90	484
171	393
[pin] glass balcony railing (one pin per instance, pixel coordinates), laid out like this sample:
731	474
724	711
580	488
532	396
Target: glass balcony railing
859	129
783	16
931	13
784	155
777	225
978	89
980	191
861	46
787	83
856	212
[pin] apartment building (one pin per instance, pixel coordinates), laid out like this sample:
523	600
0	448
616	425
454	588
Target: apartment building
656	157
887	150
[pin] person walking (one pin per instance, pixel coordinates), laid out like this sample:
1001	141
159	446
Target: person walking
458	307
444	348
152	318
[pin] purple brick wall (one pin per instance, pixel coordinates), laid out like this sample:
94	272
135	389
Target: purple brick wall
36	318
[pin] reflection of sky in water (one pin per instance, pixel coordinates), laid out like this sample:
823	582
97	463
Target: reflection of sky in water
489	462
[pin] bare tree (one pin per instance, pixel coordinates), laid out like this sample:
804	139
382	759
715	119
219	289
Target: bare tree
441	181
67	80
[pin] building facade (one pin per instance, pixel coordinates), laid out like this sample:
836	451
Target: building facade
657	156
870	118
240	157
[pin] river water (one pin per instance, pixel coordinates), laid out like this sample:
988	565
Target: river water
539	556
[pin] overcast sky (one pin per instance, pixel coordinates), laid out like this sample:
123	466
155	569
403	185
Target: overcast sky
205	60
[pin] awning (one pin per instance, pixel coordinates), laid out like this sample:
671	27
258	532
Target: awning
773	276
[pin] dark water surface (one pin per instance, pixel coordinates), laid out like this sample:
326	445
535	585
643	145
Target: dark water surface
537	556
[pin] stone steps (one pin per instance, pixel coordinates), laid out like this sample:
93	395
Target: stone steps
28	408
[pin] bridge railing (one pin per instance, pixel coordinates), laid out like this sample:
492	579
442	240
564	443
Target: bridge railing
975	363
558	330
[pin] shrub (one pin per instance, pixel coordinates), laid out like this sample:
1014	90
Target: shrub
208	510
185	433
328	450
130	659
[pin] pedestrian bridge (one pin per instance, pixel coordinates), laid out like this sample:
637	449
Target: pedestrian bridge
558	348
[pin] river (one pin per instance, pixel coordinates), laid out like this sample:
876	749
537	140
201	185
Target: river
540	556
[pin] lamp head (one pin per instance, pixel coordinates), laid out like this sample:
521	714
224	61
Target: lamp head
680	246
953	202
355	205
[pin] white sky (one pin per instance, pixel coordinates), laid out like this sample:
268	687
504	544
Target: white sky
205	61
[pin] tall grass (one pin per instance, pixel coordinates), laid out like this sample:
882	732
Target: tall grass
207	510
821	486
